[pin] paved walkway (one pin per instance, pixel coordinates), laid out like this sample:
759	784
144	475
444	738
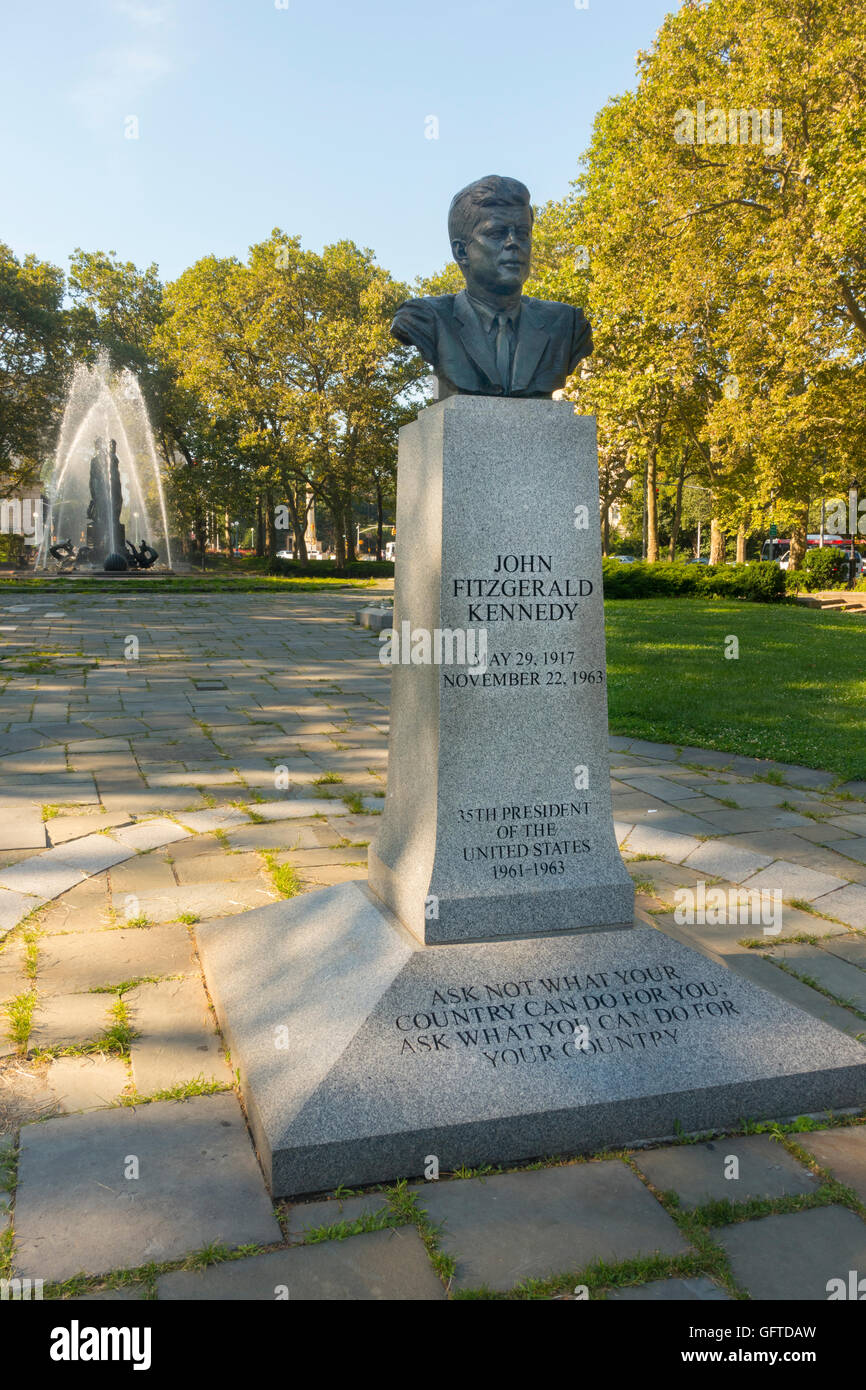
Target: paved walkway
165	762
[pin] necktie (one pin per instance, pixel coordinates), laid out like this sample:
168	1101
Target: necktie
503	349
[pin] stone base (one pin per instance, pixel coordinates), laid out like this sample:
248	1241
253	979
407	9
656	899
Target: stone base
498	809
362	1054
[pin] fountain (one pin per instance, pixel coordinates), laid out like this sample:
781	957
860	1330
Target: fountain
106	500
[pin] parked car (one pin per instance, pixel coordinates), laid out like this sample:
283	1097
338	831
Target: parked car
698	560
285	555
625	559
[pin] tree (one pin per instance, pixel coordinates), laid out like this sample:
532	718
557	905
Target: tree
33	363
291	353
721	216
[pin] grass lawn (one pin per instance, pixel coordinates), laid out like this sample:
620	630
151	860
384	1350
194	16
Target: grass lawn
797	692
215	583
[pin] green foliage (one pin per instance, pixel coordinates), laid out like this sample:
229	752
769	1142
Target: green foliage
726	282
359	569
826	568
760	582
300	384
33	364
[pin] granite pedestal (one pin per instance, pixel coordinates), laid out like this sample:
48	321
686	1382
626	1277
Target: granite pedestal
497	820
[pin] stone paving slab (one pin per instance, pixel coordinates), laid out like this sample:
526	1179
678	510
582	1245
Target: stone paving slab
302	809
40	877
219	867
830	861
86	1083
82	908
62	829
665	788
825	833
778	844
850	948
671	1290
178	1041
848	904
731	822
309	1216
842	1152
198	1184
568	1217
317	858
793	1257
726	861
151	834
61	1019
144	873
648	840
283	836
24	829
697	1172
855	822
390	1265
12	978
204	821
841	978
205	900
92	854
14	906
72	789
329	874
754	967
793	881
72	964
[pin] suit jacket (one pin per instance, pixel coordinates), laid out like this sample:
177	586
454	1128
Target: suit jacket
551	340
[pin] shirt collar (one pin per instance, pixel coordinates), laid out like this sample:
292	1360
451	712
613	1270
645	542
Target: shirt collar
488	315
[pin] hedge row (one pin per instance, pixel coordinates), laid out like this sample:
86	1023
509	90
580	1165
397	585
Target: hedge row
761	582
359	569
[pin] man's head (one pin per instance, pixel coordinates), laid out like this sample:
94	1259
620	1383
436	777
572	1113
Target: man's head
490	229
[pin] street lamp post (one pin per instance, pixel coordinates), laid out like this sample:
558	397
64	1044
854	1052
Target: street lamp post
853	507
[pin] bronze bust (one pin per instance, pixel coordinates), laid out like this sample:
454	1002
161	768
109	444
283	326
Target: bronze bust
491	339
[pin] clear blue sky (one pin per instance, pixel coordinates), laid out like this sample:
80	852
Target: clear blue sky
309	117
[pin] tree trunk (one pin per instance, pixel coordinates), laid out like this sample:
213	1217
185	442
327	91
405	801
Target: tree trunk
311	539
200	528
380	513
798	539
717	543
299	521
652	508
678	508
741	544
349	526
270	528
228	533
260	528
644	516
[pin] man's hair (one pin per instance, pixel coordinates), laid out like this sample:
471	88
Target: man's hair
494	191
